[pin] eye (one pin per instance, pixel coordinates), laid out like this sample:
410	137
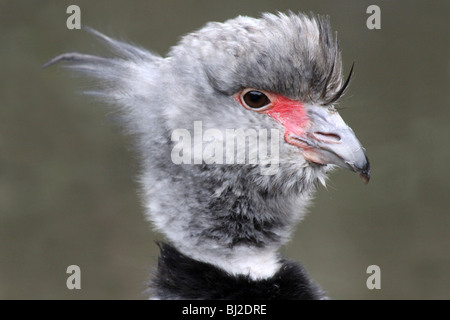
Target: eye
254	99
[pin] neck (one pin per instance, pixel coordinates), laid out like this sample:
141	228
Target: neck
181	277
232	222
256	263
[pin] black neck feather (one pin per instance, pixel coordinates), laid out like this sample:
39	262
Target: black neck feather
181	277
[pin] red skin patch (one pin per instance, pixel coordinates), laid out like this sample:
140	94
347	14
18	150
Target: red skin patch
290	113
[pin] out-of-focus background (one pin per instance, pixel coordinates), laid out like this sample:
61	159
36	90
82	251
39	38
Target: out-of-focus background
67	177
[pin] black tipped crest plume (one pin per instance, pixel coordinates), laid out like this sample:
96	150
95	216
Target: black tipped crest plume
340	92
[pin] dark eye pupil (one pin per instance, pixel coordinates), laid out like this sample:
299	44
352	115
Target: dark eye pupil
256	99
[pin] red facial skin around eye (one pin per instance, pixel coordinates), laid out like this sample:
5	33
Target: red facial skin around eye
290	113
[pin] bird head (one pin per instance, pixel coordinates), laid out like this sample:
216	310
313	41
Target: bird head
280	74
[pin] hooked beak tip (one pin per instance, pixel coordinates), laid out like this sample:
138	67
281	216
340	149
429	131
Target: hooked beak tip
364	171
365	177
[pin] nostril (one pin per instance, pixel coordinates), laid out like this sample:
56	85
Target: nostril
327	137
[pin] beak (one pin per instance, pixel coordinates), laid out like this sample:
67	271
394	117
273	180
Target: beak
329	140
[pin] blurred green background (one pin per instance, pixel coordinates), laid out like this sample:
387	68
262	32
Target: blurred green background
67	176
